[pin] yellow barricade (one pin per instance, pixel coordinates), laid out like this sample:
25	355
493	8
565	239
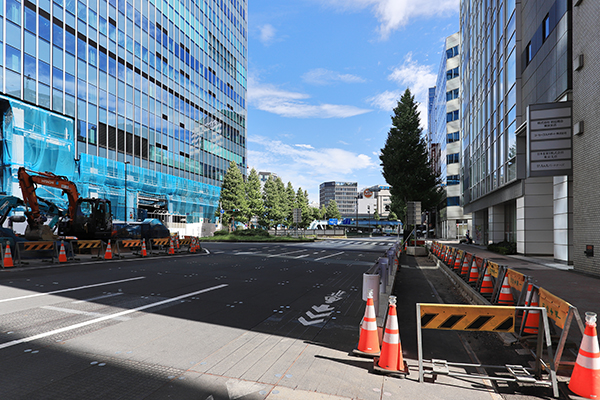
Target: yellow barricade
467	317
79	245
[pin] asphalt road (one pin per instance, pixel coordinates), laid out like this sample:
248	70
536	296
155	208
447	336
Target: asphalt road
247	321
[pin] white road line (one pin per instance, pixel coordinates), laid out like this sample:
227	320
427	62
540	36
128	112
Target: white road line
283	254
331	255
97	298
302	256
79	312
107	317
72	289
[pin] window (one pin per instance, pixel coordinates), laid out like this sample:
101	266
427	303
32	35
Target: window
452	158
546	28
453	180
452	94
528	54
452	116
452	73
452	137
453	201
453	52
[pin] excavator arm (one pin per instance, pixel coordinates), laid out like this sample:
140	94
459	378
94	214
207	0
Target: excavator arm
29	183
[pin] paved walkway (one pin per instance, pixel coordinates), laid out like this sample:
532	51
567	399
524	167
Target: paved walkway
580	290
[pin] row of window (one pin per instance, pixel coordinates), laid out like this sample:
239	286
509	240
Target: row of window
452	158
452	73
452	94
452	137
452	116
453	52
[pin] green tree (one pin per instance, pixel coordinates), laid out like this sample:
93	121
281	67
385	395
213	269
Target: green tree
405	160
332	210
302	204
392	216
273	198
233	196
322	212
290	204
376	216
254	195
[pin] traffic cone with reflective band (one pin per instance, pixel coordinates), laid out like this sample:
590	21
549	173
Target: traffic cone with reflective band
177	242
108	253
368	343
585	379
466	266
473	273
144	252
532	320
506	298
171	248
487	286
62	255
457	262
391	359
7	261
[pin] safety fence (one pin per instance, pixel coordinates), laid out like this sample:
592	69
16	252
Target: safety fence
498	285
19	253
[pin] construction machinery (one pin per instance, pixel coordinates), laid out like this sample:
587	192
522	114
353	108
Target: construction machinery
84	219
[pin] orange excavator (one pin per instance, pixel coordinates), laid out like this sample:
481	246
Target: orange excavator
85	218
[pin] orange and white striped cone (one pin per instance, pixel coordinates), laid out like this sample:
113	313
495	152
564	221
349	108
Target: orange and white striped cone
62	255
506	298
7	260
585	379
368	343
177	242
171	247
391	359
457	263
487	286
532	317
473	274
144	251
108	254
466	266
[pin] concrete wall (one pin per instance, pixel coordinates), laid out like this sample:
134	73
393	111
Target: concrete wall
586	146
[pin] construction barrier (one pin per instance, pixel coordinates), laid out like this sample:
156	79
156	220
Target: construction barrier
46	246
158	244
81	246
480	318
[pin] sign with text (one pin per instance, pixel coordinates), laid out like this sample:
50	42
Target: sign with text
413	212
549	139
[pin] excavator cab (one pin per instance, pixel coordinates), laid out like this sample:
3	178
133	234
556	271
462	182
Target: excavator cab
93	219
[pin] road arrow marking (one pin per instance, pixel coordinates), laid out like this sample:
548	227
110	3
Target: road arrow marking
323	308
313	316
307	323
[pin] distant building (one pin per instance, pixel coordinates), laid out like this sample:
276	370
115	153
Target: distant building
263	176
374	198
344	194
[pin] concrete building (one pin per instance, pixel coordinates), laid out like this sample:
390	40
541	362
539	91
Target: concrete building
264	176
445	144
374	198
516	70
142	103
344	194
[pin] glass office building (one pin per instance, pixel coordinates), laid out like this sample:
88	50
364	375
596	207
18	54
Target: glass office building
140	102
445	140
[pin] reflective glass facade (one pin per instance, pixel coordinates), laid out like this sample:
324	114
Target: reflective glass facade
156	91
489	97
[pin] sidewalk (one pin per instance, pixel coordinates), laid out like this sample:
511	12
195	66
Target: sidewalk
580	290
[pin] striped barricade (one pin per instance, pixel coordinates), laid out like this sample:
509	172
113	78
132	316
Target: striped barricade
130	244
37	246
158	244
186	241
480	319
82	246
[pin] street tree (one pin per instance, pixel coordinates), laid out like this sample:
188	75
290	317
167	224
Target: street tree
290	204
405	160
332	210
392	216
233	196
302	204
254	195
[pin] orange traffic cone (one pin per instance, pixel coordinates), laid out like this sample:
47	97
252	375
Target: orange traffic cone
391	359
506	298
144	252
62	255
368	343
585	379
177	242
171	248
7	260
532	317
473	274
108	253
487	286
193	247
466	266
457	262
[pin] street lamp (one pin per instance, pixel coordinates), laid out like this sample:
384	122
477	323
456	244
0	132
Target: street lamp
369	215
126	163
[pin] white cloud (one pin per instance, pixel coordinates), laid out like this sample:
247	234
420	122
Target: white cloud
410	74
322	76
394	14
292	105
304	165
267	34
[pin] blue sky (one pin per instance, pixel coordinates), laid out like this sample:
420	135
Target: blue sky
324	77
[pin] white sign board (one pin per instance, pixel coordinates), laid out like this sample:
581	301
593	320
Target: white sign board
549	139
